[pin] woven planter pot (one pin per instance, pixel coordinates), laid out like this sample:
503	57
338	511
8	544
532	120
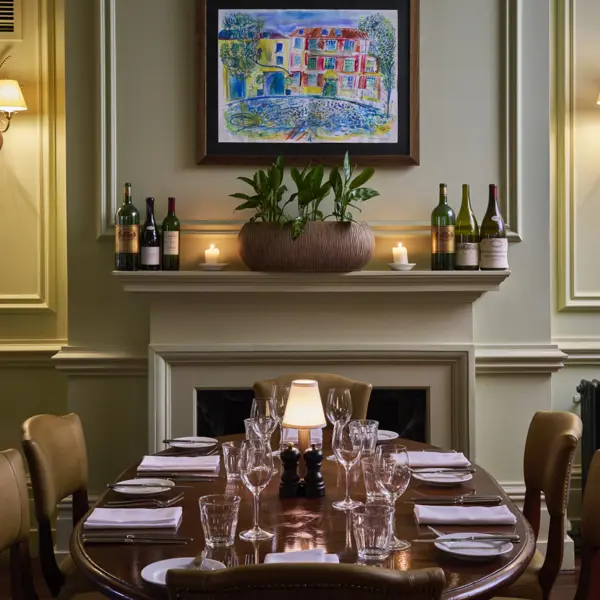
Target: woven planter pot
323	247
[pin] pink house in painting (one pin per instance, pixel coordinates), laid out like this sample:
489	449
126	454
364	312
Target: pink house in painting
332	61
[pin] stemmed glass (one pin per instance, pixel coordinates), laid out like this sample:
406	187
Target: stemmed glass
281	394
347	445
263	418
338	408
392	474
256	469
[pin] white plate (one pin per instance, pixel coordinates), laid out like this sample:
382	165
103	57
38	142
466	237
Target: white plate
383	435
164	485
156	572
198	442
479	550
442	479
401	266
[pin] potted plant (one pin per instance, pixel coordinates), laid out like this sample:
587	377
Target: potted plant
310	241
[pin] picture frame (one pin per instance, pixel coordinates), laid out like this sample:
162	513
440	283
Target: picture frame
307	81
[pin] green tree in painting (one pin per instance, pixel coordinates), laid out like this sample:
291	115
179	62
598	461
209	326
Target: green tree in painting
382	37
240	53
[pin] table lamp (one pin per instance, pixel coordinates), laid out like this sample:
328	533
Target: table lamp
304	410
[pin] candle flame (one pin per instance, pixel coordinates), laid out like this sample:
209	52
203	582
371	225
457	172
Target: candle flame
400	244
212	247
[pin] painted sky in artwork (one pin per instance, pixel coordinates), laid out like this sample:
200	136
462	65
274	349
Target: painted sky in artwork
308	76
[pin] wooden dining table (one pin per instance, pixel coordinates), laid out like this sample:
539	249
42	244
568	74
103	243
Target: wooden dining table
301	524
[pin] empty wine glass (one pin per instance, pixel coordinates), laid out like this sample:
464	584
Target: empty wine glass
256	470
281	394
347	445
338	408
263	418
392	475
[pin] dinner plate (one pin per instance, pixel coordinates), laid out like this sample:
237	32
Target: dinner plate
163	485
193	443
383	435
156	572
473	550
442	479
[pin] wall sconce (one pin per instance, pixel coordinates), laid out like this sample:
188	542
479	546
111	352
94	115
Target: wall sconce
11	101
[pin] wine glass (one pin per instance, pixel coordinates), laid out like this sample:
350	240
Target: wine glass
347	445
263	418
256	470
392	475
281	394
338	408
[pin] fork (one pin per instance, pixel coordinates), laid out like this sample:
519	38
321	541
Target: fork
249	559
153	501
436	531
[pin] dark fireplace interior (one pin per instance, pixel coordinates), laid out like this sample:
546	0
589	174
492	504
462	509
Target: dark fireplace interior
222	412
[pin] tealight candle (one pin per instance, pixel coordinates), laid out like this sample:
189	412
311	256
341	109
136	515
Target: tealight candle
400	254
211	255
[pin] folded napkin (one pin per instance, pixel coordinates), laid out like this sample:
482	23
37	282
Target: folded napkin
179	463
437	459
302	556
291	435
464	515
133	518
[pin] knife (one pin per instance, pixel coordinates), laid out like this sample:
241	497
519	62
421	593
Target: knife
197	442
456	501
129	540
473	538
162	486
179	475
429	471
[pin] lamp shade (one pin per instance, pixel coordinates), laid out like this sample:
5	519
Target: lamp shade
11	97
304	408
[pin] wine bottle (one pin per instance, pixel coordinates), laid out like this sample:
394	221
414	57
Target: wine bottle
466	235
442	234
494	243
150	241
170	248
127	234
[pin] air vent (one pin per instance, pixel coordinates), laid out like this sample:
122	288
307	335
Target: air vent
10	20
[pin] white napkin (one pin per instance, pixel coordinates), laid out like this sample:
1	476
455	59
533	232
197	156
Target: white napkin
464	515
302	556
132	518
291	435
179	463
437	459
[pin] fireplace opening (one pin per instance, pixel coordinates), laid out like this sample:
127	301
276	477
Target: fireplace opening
404	410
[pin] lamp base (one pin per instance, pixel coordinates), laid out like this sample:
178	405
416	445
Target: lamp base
303	440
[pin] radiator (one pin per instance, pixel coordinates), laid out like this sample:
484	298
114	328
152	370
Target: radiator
589	398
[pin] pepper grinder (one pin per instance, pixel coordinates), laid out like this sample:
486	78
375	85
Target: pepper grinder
314	486
288	487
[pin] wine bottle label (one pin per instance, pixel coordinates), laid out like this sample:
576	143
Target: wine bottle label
127	239
171	243
493	253
150	255
442	239
467	254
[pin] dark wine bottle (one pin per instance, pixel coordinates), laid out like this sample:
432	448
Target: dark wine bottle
494	243
170	232
466	235
442	234
127	234
150	241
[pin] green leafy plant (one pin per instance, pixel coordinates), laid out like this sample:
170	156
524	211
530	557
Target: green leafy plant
349	191
267	200
311	191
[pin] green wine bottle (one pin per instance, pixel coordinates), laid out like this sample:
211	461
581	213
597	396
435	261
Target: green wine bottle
170	234
466	235
494	243
127	234
442	234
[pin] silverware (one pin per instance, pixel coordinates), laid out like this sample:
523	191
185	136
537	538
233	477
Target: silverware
127	540
249	560
162	486
515	539
429	471
179	475
458	500
229	562
201	443
153	501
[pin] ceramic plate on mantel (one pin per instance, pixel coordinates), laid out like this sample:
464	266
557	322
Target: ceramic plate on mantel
191	442
213	266
156	572
473	550
402	266
441	479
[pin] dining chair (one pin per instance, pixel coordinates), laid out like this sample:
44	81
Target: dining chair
359	392
549	449
300	581
55	450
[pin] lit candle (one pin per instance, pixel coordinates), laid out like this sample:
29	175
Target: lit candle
400	254
211	255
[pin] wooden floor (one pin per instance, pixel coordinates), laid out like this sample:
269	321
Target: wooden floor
563	590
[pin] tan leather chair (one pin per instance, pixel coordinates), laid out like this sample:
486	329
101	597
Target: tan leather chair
57	458
360	392
14	524
302	581
551	443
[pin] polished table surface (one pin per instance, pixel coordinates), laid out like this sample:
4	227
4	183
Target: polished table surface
301	524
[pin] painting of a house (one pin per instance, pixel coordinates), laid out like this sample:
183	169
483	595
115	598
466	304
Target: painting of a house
301	76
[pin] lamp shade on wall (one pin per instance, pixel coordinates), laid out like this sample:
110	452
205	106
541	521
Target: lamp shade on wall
11	97
304	408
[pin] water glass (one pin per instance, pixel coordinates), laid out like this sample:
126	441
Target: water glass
372	525
219	517
250	431
231	458
374	494
369	429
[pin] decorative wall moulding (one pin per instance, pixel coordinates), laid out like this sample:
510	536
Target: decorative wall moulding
511	360
82	362
109	188
580	351
35	354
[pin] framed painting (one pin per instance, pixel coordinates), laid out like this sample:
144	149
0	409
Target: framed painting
308	79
